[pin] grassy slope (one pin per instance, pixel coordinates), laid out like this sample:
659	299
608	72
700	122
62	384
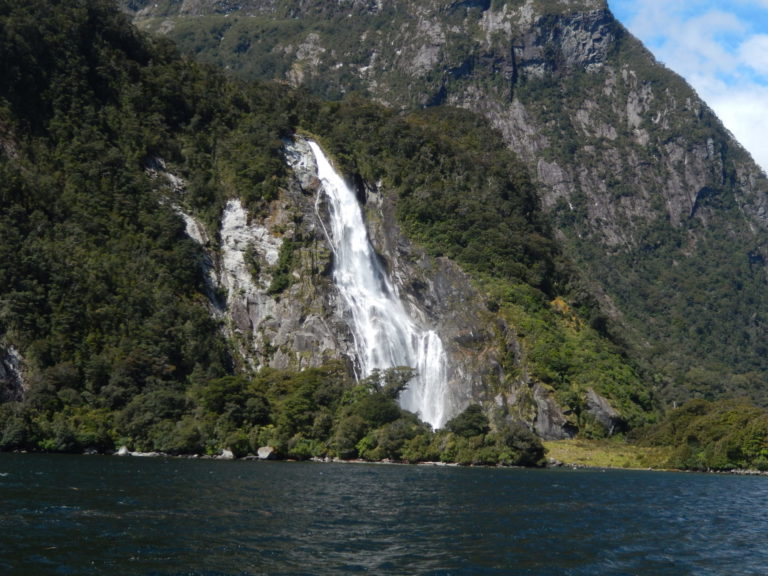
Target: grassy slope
614	453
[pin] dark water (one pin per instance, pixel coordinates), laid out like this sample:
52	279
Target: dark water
115	516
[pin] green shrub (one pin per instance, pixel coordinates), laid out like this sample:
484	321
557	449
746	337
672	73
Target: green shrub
712	435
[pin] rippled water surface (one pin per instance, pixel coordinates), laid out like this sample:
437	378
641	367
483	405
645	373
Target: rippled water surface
109	515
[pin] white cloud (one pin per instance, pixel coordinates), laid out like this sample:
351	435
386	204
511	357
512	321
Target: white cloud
690	45
743	111
753	53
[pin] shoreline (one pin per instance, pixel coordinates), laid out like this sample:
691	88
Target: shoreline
551	464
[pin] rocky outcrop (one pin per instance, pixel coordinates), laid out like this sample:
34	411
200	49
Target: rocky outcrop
290	325
551	422
602	411
8	144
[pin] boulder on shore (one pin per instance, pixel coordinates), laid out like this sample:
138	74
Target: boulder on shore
266	453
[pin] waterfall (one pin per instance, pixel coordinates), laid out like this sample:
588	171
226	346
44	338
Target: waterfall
385	336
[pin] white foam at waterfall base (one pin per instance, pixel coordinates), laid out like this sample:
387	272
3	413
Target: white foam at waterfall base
384	333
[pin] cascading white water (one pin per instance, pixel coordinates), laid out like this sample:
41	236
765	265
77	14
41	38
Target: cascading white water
385	335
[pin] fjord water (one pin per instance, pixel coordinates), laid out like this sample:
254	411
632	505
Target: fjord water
89	515
385	334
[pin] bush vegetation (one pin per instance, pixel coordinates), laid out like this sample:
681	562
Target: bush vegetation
703	435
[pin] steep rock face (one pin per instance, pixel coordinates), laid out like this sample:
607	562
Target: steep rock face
642	182
437	294
279	327
267	274
291	323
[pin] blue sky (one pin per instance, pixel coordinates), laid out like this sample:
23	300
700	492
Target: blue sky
720	48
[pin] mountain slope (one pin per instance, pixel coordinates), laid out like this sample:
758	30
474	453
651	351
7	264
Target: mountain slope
128	173
661	210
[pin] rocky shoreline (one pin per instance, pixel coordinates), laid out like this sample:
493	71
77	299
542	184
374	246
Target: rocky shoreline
267	453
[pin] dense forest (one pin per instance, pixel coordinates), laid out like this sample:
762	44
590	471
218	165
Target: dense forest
103	292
